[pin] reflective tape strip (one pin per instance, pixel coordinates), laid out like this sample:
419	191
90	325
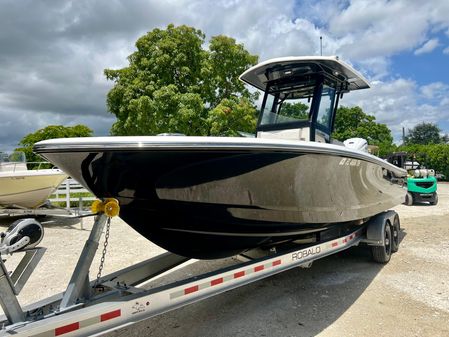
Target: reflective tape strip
243	273
216	281
258	268
62	330
191	290
67	328
342	241
223	279
110	315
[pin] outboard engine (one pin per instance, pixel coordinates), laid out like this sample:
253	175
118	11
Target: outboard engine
23	233
356	144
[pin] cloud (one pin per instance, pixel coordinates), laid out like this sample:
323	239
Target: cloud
17	123
402	103
446	51
53	53
434	90
427	47
384	28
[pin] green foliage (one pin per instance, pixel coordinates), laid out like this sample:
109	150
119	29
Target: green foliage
296	110
353	122
434	156
230	116
424	133
50	132
81	196
226	61
173	85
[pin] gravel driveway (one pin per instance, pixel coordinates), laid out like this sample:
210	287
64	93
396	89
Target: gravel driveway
341	295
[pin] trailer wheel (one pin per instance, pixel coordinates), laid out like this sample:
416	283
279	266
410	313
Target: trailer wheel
409	199
382	254
396	228
435	200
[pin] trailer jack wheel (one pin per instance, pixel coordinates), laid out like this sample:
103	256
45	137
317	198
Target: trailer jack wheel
382	254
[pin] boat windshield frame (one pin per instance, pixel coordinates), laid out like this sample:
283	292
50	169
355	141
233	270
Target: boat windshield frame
13	157
311	87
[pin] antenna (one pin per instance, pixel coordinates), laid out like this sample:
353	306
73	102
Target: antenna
321	45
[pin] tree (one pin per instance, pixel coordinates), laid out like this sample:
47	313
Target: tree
172	84
424	133
50	132
353	122
226	62
434	156
230	116
296	110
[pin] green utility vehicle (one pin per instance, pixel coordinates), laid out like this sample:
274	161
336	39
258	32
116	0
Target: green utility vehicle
421	182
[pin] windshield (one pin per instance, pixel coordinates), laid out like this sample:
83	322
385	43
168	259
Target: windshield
10	157
324	116
277	111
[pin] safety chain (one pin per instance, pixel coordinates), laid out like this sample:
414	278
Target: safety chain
103	254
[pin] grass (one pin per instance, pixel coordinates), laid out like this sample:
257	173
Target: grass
73	204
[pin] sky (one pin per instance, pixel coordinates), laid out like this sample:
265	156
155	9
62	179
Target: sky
53	53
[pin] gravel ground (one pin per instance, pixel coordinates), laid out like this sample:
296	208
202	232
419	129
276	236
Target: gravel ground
341	295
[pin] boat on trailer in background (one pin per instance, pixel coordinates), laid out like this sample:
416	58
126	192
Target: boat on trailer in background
24	188
212	197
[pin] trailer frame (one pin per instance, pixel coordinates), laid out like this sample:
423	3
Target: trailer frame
91	308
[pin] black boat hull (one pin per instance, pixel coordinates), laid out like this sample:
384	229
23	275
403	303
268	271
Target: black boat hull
207	202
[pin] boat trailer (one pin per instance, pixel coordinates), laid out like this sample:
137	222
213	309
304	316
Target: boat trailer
88	308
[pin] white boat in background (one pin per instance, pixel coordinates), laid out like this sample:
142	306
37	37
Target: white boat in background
23	188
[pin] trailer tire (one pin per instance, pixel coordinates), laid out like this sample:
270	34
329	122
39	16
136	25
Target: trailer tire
382	254
408	199
435	200
395	231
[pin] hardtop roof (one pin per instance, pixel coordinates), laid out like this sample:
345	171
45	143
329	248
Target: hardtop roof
258	75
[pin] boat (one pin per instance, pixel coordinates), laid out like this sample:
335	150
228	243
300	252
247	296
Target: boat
23	188
213	197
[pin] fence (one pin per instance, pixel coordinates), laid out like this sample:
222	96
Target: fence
71	191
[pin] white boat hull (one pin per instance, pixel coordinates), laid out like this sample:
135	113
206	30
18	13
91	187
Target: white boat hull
28	189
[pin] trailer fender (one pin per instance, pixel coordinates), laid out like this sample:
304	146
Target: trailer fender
376	228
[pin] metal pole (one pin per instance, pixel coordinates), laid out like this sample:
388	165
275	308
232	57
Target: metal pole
80	208
79	281
67	194
8	299
321	45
